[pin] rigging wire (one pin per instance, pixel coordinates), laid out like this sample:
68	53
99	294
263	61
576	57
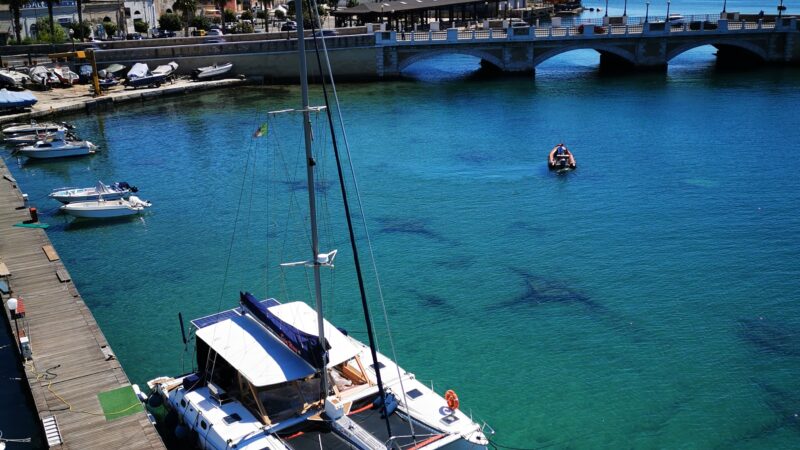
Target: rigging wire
359	203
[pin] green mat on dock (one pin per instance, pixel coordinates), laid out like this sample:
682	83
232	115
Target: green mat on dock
119	403
31	225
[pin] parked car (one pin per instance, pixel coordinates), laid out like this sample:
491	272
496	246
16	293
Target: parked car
199	33
675	20
164	34
289	26
215	32
133	37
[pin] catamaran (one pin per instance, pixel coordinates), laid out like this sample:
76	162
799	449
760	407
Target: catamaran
279	376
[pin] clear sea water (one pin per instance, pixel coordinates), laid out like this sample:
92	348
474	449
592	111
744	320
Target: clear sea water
646	300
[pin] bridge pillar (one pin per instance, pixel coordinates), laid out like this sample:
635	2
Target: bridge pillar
651	54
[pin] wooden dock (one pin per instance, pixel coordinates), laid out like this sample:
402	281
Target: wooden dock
71	361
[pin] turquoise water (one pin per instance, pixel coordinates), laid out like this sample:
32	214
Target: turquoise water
646	300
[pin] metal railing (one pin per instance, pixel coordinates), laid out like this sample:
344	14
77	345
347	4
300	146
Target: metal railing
587	29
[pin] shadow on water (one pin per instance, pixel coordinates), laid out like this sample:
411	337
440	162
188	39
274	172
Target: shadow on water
785	406
400	225
321	186
769	336
429	300
84	224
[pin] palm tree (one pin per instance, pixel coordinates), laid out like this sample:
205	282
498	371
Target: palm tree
80	18
50	14
15	6
188	7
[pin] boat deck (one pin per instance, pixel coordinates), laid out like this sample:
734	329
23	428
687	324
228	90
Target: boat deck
71	359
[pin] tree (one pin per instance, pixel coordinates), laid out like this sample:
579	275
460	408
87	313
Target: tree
188	7
228	16
247	15
306	15
352	3
50	4
110	28
46	32
140	26
80	20
201	22
170	22
14	7
82	30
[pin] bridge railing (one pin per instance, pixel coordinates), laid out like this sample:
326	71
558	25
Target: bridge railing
590	29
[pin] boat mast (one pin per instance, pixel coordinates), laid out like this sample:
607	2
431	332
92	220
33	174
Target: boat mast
310	163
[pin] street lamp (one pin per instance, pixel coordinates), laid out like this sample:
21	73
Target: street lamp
667	19
12	307
606	14
71	39
781	9
625	9
724	6
646	11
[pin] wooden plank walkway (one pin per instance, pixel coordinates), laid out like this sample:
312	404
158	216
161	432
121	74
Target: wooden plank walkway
69	350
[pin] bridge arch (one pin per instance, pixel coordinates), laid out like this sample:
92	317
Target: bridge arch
597	46
421	55
751	49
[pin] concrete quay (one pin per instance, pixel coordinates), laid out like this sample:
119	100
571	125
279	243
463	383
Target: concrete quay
78	98
72	367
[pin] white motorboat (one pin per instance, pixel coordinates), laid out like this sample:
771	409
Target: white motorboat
102	209
166	70
31	138
279	375
107	192
140	76
57	145
211	72
32	127
14	79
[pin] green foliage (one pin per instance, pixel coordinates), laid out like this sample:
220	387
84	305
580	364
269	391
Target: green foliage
229	16
279	14
170	22
140	26
243	27
200	22
247	15
261	15
306	15
111	28
352	3
83	30
43	32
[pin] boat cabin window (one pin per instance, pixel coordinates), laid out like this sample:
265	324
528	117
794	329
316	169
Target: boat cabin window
290	399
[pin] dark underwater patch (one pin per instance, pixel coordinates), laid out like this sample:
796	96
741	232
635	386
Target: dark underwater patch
407	226
539	291
770	336
322	186
430	300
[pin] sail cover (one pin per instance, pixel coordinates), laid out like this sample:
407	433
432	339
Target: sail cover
296	324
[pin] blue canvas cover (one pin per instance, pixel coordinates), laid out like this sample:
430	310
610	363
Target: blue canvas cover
10	99
307	346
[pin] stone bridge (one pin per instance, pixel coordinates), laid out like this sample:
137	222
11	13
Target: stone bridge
623	44
630	46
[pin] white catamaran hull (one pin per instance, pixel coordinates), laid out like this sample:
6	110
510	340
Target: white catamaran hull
105	209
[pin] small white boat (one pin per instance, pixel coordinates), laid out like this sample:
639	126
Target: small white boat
12	78
99	209
166	70
140	76
28	139
12	100
107	192
56	146
16	129
211	72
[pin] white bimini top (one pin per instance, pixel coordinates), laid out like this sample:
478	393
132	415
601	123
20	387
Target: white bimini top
254	352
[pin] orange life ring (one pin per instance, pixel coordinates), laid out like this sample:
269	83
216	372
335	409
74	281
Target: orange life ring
452	399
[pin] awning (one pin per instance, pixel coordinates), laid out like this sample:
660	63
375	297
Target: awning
260	357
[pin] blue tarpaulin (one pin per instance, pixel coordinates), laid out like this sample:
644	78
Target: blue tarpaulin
11	99
307	346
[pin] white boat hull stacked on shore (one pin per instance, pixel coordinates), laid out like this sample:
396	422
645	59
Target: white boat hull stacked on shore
102	209
211	72
17	129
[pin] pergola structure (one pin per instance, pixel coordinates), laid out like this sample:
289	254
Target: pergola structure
405	14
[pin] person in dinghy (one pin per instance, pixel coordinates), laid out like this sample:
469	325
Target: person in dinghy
561	159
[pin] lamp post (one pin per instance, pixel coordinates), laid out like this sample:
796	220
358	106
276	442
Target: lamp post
71	39
606	14
12	307
667	19
724	6
646	11
781	8
625	9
